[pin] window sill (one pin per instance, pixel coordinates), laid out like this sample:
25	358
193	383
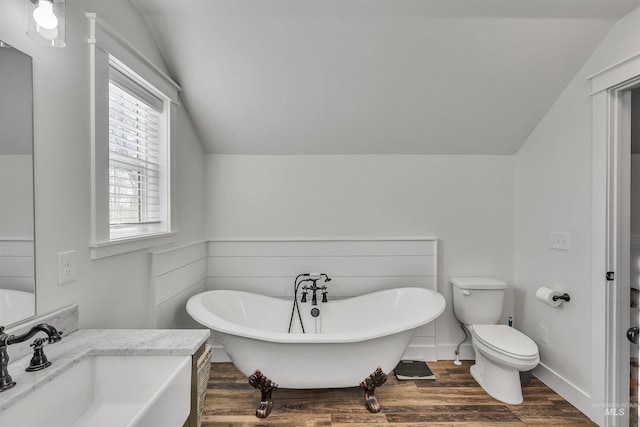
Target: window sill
131	244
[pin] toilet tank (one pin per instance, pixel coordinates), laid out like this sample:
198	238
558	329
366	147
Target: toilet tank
478	300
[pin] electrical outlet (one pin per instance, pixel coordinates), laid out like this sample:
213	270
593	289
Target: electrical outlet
66	267
544	334
558	240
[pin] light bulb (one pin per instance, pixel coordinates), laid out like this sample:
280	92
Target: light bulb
44	16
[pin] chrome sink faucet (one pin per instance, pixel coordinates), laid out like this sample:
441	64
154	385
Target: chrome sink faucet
6	382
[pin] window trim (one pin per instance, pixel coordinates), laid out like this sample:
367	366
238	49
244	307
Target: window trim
106	45
124	83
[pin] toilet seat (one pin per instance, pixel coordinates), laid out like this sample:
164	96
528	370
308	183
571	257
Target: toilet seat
506	341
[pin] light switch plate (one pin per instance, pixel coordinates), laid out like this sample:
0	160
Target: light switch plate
544	334
559	240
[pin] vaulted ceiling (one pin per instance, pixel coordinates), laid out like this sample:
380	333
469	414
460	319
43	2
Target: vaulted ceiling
374	76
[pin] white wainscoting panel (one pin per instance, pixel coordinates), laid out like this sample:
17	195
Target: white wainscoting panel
177	274
356	267
17	265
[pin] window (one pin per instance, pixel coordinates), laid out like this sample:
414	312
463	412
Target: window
134	109
138	140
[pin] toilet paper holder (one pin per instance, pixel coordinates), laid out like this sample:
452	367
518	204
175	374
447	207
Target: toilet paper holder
564	297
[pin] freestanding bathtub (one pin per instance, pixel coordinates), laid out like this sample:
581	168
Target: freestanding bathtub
341	347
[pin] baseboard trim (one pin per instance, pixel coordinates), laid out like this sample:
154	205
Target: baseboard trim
427	353
448	352
219	354
565	388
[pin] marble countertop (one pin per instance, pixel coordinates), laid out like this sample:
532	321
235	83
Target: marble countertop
95	342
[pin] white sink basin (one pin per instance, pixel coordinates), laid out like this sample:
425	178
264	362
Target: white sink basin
110	391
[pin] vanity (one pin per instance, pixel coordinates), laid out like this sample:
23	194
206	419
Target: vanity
107	377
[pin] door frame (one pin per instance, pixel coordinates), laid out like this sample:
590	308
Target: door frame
611	140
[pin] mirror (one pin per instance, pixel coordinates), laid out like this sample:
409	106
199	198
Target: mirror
17	235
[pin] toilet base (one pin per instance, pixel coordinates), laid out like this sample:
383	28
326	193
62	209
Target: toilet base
500	382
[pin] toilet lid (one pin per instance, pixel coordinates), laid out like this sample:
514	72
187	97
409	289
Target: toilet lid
506	339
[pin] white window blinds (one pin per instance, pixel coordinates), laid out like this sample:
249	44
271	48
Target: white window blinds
135	153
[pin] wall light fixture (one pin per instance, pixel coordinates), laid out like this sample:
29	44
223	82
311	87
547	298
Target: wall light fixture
46	22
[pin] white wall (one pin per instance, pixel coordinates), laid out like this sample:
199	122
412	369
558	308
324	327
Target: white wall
15	103
111	292
177	274
16	196
553	193
464	201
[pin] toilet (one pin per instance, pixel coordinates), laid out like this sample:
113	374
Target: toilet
502	352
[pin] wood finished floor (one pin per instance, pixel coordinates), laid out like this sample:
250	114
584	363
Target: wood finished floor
453	399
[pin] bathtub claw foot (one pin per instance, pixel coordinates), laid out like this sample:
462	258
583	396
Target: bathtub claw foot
266	387
264	409
369	386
